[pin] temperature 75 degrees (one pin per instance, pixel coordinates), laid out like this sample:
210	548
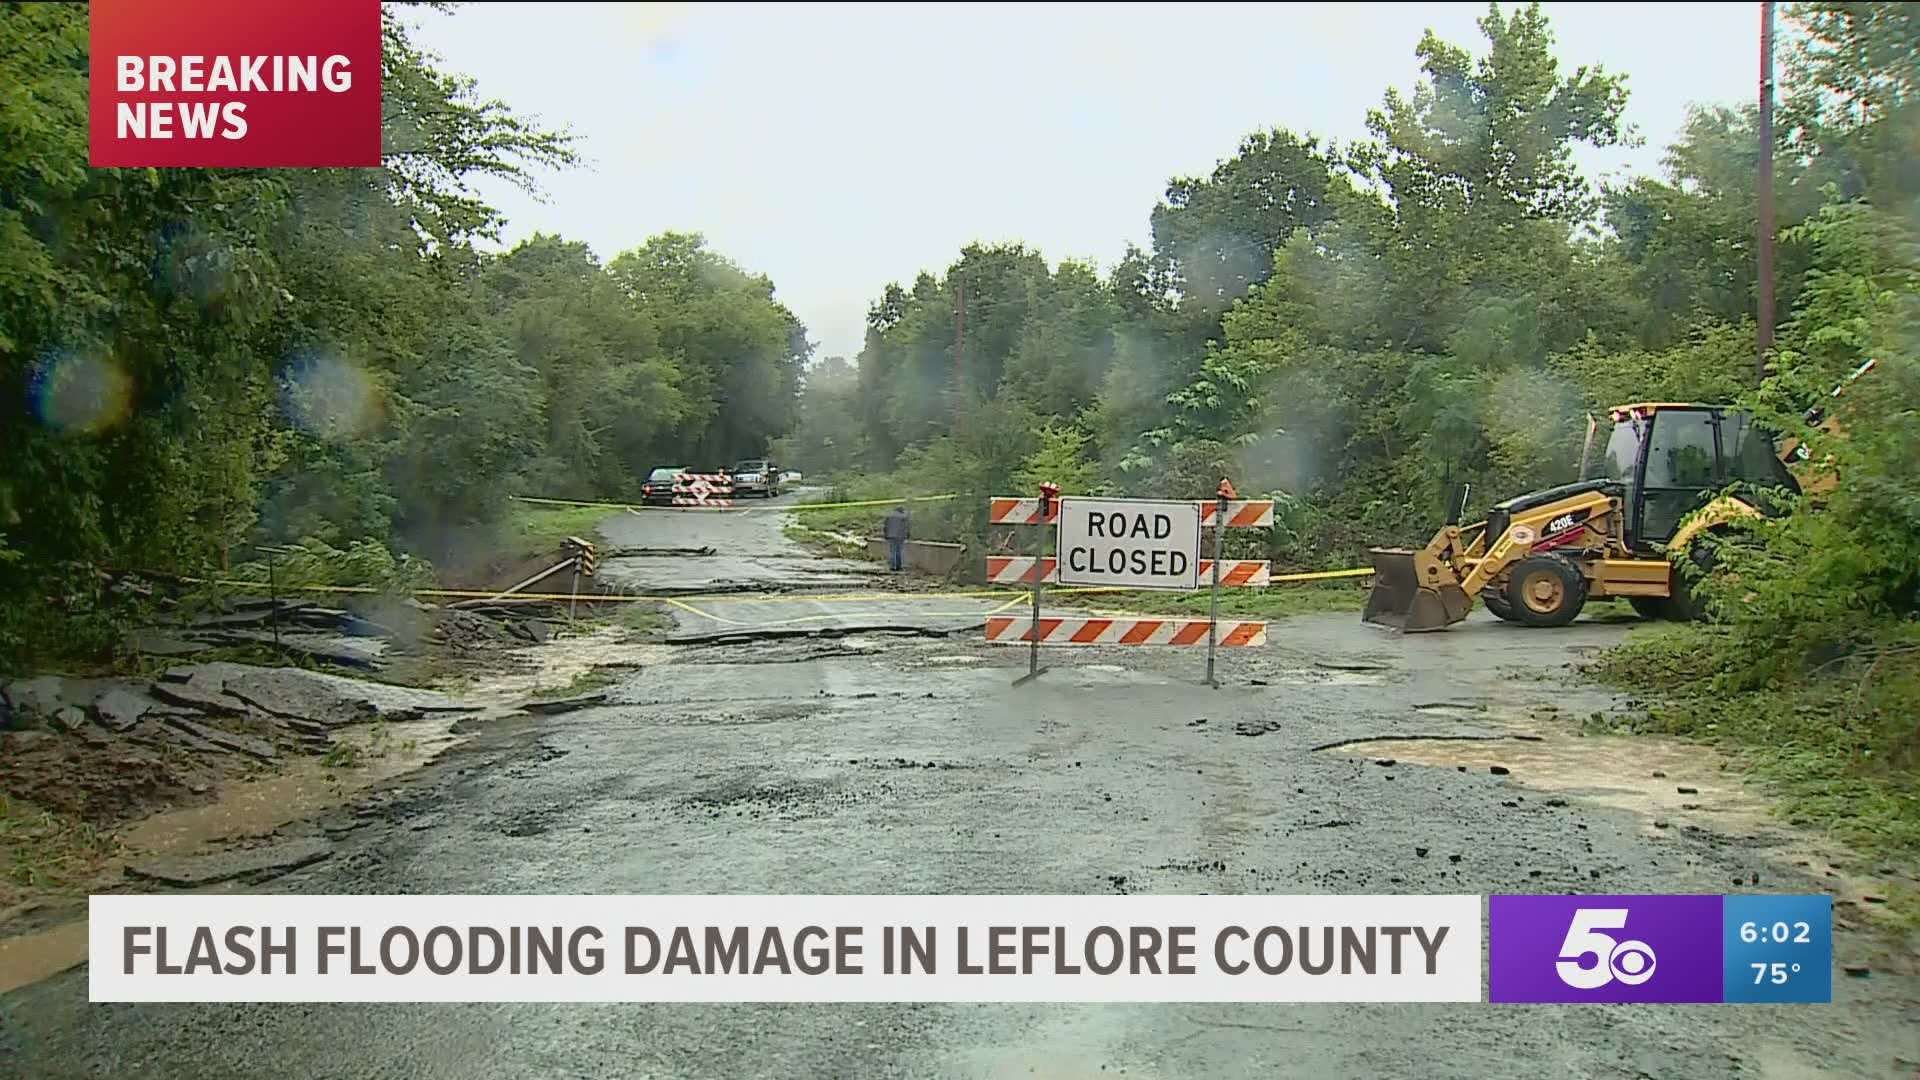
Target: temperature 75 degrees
1775	973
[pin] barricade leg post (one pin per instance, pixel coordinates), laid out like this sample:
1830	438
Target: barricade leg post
1213	605
1034	670
1219	550
573	597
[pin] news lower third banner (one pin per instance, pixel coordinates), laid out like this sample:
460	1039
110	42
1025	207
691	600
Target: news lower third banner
784	948
1601	949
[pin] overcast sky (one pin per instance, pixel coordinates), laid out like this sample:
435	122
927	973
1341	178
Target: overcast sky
838	148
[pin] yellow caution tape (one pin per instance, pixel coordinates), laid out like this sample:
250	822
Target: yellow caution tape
1018	595
868	502
1321	575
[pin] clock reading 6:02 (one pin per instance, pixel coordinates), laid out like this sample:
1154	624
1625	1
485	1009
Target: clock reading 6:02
1797	933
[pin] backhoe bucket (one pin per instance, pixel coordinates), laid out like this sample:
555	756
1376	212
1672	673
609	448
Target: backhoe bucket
1400	601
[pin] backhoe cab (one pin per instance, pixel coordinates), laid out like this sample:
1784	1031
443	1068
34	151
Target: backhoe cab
1538	558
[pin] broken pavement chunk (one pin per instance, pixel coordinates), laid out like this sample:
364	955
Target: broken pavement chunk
548	708
40	697
294	699
198	697
244	744
119	709
160	643
192	870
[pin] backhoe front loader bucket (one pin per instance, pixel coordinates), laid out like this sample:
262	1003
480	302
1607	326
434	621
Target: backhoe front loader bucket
1399	598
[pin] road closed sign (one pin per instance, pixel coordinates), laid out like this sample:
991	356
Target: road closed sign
1137	543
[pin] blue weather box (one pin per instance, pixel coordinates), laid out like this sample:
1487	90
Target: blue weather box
1777	948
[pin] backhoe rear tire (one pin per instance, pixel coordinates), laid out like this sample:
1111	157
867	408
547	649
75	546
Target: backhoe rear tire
1651	607
1546	590
1686	604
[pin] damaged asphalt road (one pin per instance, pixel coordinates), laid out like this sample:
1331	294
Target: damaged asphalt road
750	550
914	767
769	578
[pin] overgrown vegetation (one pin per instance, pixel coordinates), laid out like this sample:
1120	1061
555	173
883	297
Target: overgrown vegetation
541	529
1839	744
1353	328
197	361
41	849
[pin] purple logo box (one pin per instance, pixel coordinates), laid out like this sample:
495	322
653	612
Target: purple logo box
1603	948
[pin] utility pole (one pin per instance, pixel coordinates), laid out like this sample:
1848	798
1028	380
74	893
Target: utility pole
1764	272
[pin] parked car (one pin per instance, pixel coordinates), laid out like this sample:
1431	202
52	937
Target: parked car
756	477
658	488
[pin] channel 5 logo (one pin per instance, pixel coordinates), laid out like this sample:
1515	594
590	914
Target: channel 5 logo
1604	948
1591	958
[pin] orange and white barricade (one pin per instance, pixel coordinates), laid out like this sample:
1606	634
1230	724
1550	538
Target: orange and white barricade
1241	513
1124	630
1127	543
702	489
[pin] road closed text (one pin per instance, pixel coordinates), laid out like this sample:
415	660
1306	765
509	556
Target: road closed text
1128	542
961	948
1150	562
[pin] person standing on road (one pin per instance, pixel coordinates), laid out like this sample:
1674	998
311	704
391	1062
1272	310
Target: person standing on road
895	529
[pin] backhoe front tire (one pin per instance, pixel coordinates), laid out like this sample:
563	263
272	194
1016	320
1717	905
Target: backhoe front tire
1498	605
1546	590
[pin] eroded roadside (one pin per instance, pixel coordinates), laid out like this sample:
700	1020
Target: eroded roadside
244	828
1686	794
880	764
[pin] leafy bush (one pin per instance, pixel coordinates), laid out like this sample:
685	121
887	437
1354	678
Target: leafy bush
363	563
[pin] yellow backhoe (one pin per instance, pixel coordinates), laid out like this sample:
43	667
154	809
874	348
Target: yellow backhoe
1666	473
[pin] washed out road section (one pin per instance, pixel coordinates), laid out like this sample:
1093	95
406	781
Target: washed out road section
919	770
759	583
750	551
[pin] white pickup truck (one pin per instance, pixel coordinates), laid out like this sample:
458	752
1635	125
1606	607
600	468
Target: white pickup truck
756	477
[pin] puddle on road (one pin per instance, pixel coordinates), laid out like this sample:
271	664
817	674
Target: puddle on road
1612	770
28	958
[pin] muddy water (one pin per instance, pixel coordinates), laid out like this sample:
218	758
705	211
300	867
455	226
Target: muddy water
28	958
246	810
558	664
256	808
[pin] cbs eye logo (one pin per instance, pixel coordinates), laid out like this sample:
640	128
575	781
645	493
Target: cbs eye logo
1629	962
